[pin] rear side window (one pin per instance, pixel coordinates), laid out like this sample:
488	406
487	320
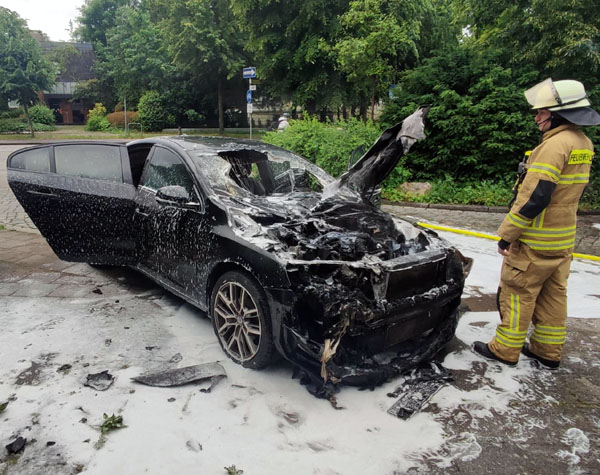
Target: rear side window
98	162
166	168
36	160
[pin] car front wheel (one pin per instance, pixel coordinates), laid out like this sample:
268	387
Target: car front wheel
241	319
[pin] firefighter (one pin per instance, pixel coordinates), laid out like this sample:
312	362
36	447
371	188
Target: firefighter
538	234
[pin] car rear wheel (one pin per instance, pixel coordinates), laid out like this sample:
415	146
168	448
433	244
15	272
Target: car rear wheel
241	319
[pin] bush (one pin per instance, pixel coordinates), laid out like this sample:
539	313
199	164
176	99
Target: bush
193	117
151	112
328	145
12	113
117	119
479	125
17	126
42	114
97	120
448	190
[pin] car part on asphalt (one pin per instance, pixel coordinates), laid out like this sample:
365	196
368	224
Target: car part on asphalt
185	375
418	388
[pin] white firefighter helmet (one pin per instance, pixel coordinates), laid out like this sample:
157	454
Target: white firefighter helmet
559	95
567	99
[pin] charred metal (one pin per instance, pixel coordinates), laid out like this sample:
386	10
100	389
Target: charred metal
279	254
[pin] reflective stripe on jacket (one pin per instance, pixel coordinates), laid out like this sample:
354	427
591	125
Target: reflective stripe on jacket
544	215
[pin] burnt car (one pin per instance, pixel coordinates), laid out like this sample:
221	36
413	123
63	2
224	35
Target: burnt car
281	256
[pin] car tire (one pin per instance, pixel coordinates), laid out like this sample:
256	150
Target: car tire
241	319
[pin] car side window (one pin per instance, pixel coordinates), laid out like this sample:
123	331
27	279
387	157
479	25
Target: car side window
98	162
166	168
36	160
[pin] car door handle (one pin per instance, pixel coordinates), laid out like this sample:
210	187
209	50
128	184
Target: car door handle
140	212
42	193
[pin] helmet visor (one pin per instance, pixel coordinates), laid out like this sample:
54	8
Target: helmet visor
543	95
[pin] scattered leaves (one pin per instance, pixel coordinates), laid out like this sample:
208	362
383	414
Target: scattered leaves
111	423
233	470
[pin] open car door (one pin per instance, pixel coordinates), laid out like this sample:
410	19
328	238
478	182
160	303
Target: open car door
81	198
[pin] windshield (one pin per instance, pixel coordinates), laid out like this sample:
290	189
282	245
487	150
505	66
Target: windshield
260	171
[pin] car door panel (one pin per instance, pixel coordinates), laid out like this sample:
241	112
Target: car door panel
170	231
83	218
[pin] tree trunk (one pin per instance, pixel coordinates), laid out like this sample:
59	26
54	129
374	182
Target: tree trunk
26	108
373	93
362	110
220	104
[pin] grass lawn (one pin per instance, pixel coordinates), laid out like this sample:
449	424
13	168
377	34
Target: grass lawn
72	132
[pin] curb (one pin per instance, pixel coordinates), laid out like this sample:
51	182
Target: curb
475	208
467	232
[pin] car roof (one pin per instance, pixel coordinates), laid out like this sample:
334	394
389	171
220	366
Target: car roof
208	143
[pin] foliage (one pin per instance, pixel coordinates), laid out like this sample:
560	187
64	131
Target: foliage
111	423
18	126
479	124
558	37
328	145
42	114
135	56
193	117
203	35
233	470
62	56
12	113
447	190
23	69
93	90
293	48
97	17
151	112
379	37
3	406
117	119
97	120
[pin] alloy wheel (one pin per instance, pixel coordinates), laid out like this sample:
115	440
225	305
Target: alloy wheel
238	323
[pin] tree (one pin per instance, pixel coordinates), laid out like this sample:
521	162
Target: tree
293	45
479	125
97	17
560	38
135	55
204	40
380	37
23	69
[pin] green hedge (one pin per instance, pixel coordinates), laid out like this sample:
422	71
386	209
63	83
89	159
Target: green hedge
17	126
151	112
42	114
328	145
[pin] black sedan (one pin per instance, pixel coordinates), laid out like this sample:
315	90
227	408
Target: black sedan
282	257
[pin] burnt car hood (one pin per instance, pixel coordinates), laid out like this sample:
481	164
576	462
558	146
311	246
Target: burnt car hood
339	225
372	295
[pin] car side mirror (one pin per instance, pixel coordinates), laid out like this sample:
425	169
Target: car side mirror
174	195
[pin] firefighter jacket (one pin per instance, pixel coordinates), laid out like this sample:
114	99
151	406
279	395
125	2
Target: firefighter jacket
544	214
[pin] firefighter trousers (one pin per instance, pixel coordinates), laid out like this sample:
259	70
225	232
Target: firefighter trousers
533	289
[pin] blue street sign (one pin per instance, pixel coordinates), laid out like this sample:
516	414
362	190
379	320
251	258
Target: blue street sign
249	97
249	73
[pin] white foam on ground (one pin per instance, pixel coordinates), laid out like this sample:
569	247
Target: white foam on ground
583	284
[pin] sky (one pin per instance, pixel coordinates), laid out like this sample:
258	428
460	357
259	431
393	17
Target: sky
51	17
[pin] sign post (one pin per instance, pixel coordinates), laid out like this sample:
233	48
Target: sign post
249	73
